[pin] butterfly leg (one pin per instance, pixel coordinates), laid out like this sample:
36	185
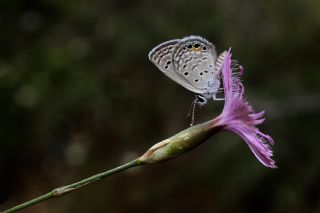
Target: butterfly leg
191	111
217	99
199	100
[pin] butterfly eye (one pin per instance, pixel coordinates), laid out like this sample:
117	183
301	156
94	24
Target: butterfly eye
201	99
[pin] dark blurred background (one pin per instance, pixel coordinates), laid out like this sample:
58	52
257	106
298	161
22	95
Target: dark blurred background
78	96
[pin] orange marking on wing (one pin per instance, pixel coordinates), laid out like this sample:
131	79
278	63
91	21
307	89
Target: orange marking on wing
196	49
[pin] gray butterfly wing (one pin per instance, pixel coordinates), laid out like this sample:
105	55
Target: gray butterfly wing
162	56
194	60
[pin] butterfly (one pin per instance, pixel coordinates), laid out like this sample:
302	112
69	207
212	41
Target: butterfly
192	62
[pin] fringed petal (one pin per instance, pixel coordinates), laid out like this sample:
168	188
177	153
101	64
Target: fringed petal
239	117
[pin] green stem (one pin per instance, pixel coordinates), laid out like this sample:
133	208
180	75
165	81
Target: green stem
60	191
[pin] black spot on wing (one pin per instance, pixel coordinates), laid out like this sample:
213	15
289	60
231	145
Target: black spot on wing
154	53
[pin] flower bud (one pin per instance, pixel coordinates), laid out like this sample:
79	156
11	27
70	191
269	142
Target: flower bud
180	143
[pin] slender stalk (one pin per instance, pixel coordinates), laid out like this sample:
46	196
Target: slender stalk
60	191
169	148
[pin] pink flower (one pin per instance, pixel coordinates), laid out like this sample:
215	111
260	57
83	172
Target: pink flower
239	117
